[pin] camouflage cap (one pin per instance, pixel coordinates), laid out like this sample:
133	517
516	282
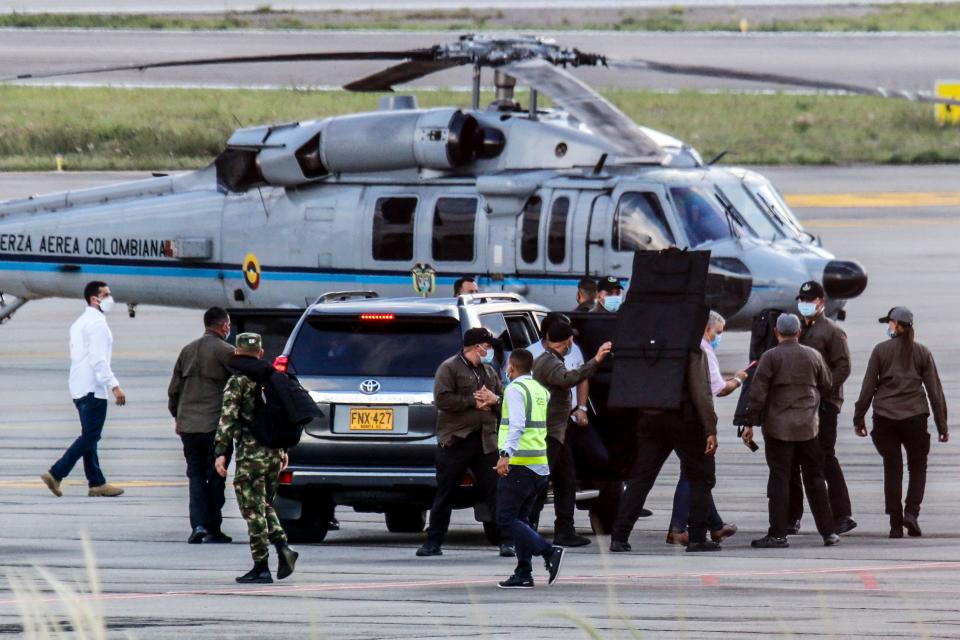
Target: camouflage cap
249	342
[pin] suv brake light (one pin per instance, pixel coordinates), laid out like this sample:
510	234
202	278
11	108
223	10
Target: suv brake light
280	363
286	477
377	317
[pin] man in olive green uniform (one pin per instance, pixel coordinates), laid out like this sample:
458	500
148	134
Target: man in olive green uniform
258	467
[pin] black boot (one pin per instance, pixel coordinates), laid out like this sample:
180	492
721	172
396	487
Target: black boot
260	574
287	560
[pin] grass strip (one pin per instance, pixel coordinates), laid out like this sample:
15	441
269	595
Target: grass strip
931	16
116	128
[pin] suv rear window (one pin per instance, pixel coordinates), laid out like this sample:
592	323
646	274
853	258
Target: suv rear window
349	346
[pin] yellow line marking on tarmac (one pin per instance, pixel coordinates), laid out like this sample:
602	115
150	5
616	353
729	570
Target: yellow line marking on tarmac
874	200
864	223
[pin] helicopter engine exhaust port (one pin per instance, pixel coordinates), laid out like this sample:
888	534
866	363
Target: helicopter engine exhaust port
844	279
440	139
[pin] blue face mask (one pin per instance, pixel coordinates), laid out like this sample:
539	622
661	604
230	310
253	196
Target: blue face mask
891	333
715	343
807	309
487	358
612	303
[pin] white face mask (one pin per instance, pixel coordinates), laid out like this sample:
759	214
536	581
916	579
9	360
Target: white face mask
487	358
807	309
106	304
612	303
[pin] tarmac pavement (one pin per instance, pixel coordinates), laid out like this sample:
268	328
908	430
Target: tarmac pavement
366	583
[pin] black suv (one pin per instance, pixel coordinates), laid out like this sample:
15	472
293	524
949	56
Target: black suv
369	364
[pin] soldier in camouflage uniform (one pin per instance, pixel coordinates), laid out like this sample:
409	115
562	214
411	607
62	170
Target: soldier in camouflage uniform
258	467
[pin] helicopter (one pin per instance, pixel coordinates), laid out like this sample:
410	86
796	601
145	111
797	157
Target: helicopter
525	199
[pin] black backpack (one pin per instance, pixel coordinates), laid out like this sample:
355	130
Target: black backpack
281	409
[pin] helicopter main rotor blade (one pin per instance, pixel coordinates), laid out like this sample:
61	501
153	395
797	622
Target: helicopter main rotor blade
589	107
637	64
412	54
400	73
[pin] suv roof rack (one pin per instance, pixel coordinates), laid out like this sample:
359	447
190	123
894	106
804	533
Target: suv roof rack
343	296
480	298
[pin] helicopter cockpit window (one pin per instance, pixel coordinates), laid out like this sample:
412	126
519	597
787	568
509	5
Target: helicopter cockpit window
639	216
557	231
702	217
758	219
454	220
770	198
530	230
393	229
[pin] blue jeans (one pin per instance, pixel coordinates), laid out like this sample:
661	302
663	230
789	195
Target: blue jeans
681	508
93	413
516	494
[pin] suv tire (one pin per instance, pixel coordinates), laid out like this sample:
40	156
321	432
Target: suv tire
312	526
409	520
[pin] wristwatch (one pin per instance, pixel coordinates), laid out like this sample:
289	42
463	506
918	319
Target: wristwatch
503	454
582	407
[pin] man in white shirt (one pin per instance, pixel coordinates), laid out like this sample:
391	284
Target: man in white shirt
91	379
719	530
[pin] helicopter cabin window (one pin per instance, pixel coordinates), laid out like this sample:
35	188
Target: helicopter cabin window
454	220
640	224
702	217
557	231
393	229
530	230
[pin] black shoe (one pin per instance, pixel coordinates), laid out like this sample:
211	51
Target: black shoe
896	531
620	547
645	513
913	527
287	560
515	582
552	561
507	551
570	539
770	542
830	540
846	524
794	528
197	535
217	538
334	524
706	545
429	549
260	574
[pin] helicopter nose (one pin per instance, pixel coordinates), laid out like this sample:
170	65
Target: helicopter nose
844	279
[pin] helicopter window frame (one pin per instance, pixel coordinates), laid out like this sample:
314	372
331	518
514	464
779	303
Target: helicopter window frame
621	243
449	246
530	231
557	233
381	251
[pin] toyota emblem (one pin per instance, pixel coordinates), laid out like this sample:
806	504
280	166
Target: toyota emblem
369	386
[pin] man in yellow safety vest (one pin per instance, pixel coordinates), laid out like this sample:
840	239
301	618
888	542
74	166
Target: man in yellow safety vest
523	470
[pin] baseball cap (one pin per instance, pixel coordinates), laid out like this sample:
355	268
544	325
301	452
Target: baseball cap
560	331
479	335
898	314
249	341
811	290
551	318
609	284
788	324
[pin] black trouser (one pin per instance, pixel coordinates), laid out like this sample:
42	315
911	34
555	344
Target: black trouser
452	462
657	436
888	437
563	475
517	492
782	456
206	485
833	474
